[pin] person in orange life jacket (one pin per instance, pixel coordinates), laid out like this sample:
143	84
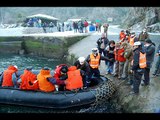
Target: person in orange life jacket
138	65
121	60
85	69
46	82
116	64
9	77
94	61
28	80
102	43
74	80
122	35
150	52
60	74
110	54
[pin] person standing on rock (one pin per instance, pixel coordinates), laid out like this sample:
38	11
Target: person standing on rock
138	66
94	61
102	42
122	36
143	36
128	54
150	52
105	26
110	54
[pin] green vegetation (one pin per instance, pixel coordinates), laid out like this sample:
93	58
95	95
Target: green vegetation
72	40
7	39
33	44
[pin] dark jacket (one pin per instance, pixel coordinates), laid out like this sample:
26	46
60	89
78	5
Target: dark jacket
136	54
158	49
85	67
99	42
150	52
110	53
143	36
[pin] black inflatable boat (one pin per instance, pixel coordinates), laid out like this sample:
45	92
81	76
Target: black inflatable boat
58	99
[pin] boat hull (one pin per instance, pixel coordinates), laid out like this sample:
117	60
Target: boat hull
57	99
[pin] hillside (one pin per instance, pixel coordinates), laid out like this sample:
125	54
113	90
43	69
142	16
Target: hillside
15	14
141	17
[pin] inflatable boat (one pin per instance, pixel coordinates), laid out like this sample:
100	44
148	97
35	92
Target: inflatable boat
103	89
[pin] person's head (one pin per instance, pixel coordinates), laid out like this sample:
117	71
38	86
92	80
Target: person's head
64	69
45	68
144	30
15	66
127	31
137	44
112	43
124	44
117	45
29	68
133	34
122	31
148	42
95	51
81	60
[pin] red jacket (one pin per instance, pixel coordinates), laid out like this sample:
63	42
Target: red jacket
122	35
57	75
121	57
116	53
7	76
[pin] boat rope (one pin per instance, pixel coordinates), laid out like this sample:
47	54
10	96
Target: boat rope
104	92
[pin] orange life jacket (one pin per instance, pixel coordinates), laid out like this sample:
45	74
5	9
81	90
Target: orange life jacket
74	80
44	84
142	60
122	35
131	42
94	61
27	77
7	76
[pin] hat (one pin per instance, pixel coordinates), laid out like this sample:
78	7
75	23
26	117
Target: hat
81	60
29	68
137	43
45	68
16	66
94	50
133	33
64	69
148	41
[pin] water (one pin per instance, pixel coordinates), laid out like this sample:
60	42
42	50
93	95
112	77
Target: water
22	61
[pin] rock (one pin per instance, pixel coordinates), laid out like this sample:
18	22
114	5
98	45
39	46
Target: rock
154	28
21	52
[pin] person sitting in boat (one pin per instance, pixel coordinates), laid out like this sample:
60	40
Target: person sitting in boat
74	80
60	74
28	80
68	78
46	82
9	77
94	60
84	66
